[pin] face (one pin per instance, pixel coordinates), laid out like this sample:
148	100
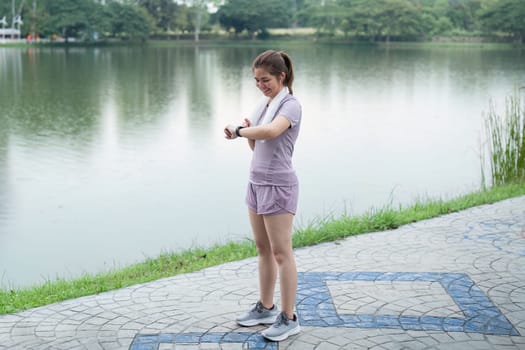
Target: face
270	85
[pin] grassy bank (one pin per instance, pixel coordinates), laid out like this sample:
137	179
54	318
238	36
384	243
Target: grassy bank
328	229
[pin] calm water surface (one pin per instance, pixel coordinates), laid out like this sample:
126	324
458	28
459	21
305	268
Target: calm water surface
108	156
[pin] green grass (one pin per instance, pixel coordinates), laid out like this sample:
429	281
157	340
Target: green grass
151	269
9	44
506	147
389	218
170	264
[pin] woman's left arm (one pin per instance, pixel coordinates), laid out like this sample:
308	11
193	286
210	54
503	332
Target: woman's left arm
267	131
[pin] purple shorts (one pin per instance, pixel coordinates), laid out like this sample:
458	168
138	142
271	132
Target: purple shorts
272	200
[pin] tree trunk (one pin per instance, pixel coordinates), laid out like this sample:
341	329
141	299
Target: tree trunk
33	25
198	19
294	11
13	14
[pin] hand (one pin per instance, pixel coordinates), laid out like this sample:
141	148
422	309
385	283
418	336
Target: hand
229	132
246	123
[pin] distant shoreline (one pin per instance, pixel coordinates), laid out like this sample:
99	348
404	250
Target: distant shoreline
299	35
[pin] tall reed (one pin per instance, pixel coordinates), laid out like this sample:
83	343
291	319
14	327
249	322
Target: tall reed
506	144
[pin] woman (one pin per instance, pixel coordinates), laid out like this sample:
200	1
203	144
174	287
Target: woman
272	192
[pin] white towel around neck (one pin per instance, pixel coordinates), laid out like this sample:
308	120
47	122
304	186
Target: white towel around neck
272	107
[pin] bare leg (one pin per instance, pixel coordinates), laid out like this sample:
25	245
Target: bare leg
267	263
279	229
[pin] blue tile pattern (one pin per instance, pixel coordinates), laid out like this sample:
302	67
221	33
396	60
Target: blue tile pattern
152	341
316	308
489	232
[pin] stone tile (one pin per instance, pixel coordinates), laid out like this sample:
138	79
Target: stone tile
379	298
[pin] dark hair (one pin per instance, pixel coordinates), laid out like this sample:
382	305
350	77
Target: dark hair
276	62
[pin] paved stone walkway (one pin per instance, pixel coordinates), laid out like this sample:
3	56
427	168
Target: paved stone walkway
454	282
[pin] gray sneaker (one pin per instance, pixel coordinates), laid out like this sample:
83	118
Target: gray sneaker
282	328
258	315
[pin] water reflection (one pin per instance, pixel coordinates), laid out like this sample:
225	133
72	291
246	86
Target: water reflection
4	200
50	94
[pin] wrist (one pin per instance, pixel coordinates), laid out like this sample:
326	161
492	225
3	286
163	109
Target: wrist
237	129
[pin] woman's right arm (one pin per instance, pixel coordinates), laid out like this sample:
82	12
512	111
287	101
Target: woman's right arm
251	143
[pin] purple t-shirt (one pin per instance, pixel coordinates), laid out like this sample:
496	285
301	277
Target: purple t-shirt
272	159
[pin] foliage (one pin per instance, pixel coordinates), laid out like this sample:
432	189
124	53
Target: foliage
324	17
507	141
81	19
163	12
378	20
463	14
198	15
390	18
67	17
412	19
128	21
254	16
506	16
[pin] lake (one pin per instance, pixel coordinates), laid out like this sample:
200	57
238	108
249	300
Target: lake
111	155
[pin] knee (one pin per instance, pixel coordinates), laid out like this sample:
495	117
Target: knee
281	256
263	248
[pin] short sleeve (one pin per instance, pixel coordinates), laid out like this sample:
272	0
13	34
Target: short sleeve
291	110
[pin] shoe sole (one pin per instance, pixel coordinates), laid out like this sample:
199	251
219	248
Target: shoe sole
251	323
283	336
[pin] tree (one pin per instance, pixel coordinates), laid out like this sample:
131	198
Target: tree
6	10
129	21
506	16
382	18
398	17
35	17
254	15
199	14
10	9
463	14
82	18
434	16
182	19
164	12
31	14
67	17
359	16
327	16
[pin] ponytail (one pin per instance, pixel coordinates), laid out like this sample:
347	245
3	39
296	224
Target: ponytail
288	81
276	62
